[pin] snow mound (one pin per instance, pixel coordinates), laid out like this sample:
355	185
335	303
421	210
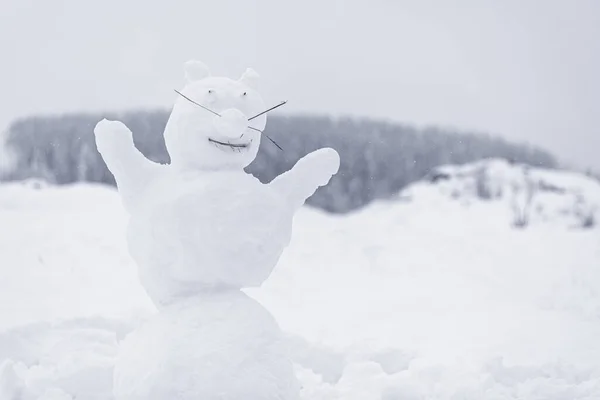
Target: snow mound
492	380
524	195
70	359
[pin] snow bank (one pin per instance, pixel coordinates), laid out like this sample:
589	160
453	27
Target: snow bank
521	194
72	359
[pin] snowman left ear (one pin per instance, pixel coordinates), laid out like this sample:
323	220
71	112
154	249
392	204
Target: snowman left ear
250	78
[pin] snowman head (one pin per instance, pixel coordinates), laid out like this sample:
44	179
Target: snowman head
212	125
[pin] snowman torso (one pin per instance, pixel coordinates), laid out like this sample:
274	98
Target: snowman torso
207	230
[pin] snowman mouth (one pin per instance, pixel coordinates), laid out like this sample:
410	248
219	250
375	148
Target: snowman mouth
228	146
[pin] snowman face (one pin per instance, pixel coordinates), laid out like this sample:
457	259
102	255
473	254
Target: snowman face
212	124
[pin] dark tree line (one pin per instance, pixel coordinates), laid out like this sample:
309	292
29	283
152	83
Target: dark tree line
377	158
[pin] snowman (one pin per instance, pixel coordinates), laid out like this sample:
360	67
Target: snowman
201	229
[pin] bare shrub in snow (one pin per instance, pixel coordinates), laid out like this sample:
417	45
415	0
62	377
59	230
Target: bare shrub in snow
522	201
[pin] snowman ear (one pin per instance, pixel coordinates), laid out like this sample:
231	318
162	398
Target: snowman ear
195	71
250	78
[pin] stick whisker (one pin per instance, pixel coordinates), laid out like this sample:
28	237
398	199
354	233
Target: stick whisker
193	102
266	111
268	137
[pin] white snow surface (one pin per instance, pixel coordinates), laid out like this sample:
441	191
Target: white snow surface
432	295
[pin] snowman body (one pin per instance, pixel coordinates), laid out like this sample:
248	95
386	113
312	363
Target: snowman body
191	238
200	230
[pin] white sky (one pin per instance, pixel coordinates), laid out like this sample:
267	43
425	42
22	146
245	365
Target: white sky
528	70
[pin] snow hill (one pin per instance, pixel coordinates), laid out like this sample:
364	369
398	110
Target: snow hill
480	282
529	195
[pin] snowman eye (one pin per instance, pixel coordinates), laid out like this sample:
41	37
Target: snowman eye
210	91
244	94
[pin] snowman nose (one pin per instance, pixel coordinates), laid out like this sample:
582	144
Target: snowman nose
231	123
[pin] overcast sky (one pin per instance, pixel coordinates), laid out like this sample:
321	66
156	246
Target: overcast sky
528	70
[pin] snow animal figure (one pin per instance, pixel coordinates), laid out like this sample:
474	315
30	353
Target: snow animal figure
201	229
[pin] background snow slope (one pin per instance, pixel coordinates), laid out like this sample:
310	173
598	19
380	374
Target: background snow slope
433	295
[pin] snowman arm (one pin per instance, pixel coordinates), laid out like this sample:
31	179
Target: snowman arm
310	172
131	169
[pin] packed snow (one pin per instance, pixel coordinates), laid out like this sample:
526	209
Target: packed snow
435	294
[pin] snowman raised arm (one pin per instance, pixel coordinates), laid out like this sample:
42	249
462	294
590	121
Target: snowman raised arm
210	130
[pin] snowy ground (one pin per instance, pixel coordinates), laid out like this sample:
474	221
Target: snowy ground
429	296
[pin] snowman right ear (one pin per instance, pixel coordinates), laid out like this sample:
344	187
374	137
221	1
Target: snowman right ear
195	71
250	78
